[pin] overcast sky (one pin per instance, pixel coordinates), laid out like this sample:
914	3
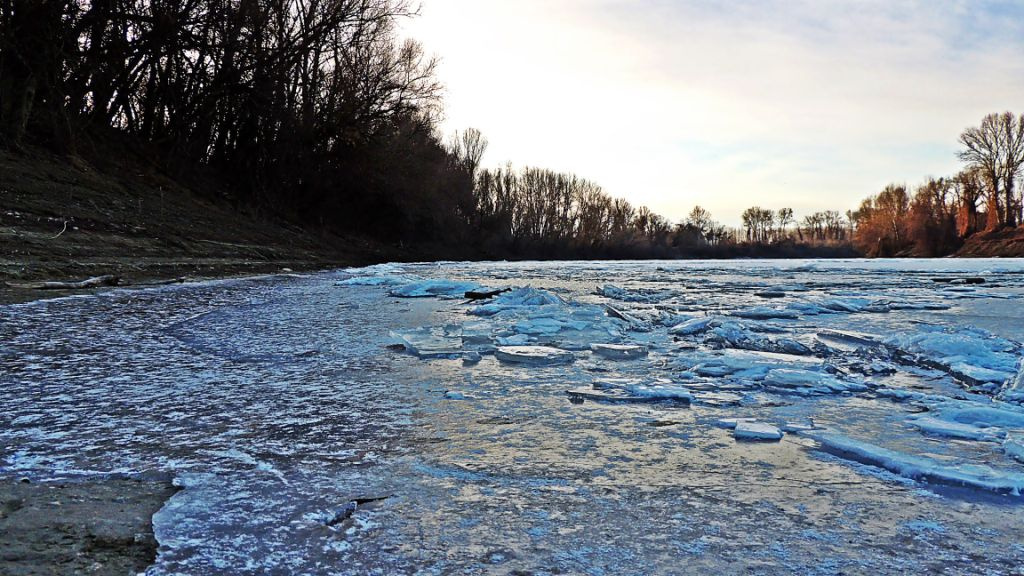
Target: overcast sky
671	103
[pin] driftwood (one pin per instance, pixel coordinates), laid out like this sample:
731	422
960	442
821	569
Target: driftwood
959	280
480	295
94	282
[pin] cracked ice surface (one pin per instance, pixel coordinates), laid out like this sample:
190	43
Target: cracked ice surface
277	406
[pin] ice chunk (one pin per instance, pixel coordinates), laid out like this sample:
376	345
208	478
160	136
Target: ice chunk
1013	446
386	280
514	340
632	322
730	423
519	298
940	427
972	355
921	467
625	390
692	326
733	335
617	293
747	430
766	313
429	342
981	415
428	288
1013	390
619	351
534	355
808	382
470	357
658	391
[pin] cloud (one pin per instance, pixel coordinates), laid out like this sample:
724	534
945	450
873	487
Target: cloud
809	104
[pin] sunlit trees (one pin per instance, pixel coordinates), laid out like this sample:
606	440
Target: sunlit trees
996	149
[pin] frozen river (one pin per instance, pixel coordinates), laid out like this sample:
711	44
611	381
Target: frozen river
372	421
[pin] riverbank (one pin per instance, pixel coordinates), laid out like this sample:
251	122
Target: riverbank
101	526
63	219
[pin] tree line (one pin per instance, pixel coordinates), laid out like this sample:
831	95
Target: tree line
311	110
937	216
318	112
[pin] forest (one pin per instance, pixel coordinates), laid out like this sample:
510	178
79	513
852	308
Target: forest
318	113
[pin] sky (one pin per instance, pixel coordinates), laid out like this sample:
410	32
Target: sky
808	104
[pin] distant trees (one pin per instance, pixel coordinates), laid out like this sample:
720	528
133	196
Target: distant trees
758	223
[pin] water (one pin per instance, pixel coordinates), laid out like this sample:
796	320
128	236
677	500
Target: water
275	402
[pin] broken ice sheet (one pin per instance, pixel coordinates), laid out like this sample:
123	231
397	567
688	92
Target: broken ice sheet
632	390
619	351
435	288
753	430
970	354
431	342
921	467
533	355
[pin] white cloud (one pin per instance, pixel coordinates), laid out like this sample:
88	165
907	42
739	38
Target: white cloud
810	104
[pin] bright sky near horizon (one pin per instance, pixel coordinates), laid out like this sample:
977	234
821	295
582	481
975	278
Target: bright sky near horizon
811	104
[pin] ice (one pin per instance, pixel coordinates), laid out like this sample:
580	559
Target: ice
619	351
435	288
766	313
618	293
632	391
386	280
735	335
1013	446
427	342
746	365
941	427
1013	390
172	380
533	355
921	467
977	414
519	298
730	423
808	382
692	326
970	354
748	430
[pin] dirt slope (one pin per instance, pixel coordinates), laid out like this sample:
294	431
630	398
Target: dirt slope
1003	243
64	219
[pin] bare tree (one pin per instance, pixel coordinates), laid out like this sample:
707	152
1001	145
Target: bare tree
468	147
996	149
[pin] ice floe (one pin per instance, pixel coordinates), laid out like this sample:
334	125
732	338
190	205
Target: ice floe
940	427
1013	445
970	354
533	355
636	391
619	351
434	288
809	382
921	467
753	430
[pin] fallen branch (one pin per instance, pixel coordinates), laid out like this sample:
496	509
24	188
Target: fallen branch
63	230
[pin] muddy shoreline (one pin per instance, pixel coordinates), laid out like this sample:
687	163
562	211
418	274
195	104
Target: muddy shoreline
79	526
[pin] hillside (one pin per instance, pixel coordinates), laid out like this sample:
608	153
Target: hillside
1001	244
